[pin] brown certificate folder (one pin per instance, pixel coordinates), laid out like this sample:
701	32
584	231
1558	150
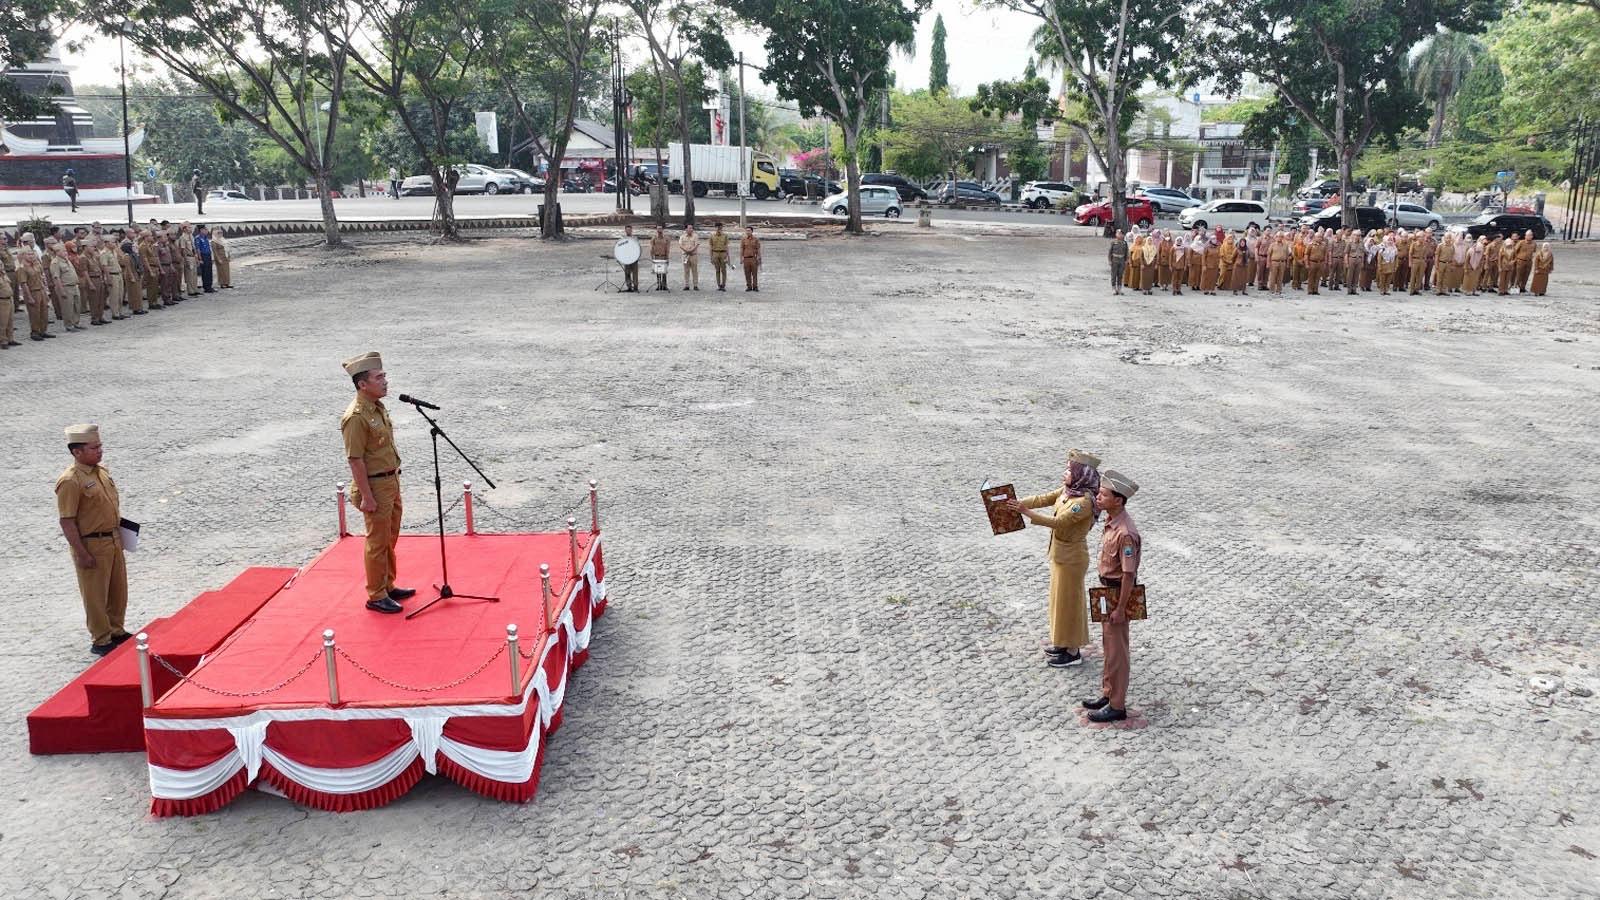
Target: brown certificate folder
1001	519
1102	599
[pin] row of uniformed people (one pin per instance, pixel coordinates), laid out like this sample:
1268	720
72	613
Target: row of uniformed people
1324	257
105	275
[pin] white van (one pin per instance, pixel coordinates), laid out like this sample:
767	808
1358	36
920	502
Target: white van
1229	214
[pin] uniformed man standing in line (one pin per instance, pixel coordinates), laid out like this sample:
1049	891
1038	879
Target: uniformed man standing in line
1120	547
1279	259
374	477
219	253
719	256
190	261
90	513
1524	263
8	262
630	271
1417	261
111	266
35	295
660	249
1117	256
750	255
202	251
65	278
8	306
689	243
1508	263
150	265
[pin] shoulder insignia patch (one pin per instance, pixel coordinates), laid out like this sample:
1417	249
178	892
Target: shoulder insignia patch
1077	507
1127	551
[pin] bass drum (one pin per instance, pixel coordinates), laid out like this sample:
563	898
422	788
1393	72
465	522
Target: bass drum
626	251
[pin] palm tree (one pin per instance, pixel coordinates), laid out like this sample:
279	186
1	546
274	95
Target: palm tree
1438	69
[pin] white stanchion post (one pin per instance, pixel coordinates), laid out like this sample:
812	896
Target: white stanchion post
466	504
343	527
146	691
333	670
572	539
594	505
516	659
544	586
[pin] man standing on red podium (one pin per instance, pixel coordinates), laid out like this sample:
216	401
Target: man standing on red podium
374	477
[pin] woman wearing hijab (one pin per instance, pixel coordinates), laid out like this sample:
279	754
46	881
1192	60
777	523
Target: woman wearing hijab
1459	249
1210	259
1147	269
1180	264
1163	261
1197	252
1473	271
1544	262
1227	261
1135	263
1369	260
1072	514
1388	263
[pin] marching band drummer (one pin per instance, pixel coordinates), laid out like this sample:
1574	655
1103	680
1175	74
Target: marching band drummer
630	271
660	249
1073	511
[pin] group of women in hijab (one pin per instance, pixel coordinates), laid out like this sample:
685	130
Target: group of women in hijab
1169	261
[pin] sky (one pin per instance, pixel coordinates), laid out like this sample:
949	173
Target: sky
983	45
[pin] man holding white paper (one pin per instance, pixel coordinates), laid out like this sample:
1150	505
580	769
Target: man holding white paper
90	512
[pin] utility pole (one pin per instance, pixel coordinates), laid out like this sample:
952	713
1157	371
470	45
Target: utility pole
127	153
617	124
1272	178
744	152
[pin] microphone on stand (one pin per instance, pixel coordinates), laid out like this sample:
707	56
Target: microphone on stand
407	398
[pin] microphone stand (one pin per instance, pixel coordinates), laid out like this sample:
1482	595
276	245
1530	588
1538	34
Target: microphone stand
444	589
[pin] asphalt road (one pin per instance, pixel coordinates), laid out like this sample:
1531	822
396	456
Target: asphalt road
382	208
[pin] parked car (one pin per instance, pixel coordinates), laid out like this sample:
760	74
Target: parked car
524	182
1168	200
1139	211
968	192
226	196
1232	215
475	179
1049	195
876	199
1310	206
1498	224
1411	215
907	189
1368	218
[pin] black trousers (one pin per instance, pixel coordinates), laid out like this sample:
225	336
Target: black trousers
205	273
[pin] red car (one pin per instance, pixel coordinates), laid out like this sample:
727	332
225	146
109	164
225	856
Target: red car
1139	210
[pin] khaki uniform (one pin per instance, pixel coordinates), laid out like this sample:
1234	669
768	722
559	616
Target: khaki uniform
1279	258
689	243
154	293
8	261
1227	259
1508	266
30	281
369	437
1120	548
8	306
1523	265
65	278
660	248
219	256
95	278
167	264
719	258
1544	262
1209	260
189	262
750	255
1068	552
111	265
1417	262
1180	265
87	495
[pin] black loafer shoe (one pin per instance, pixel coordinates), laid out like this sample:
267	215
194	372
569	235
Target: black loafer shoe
384	605
102	649
117	639
1097	703
1109	714
398	594
1064	660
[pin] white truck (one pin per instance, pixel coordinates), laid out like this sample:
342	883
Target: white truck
714	167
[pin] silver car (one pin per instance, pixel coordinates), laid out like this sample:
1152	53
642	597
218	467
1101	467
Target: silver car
875	200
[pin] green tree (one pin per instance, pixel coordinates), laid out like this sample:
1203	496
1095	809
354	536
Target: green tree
833	59
1446	59
27	30
939	67
1026	156
278	65
1333	62
1551	62
423	55
1110	49
933	133
1475	112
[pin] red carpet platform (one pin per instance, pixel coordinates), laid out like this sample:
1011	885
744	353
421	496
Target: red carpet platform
430	695
99	711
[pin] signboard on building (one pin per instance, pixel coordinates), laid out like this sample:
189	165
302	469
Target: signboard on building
1224	177
1283	179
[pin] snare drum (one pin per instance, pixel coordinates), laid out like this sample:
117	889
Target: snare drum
658	266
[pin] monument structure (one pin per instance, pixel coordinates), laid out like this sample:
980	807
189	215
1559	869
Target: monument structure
35	153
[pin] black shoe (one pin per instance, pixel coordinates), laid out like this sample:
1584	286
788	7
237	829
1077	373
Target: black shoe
46	335
35	337
102	649
139	312
398	594
1109	714
1064	660
1097	703
384	605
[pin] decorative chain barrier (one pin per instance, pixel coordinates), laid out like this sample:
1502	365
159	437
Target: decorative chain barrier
532	521
221	692
421	690
433	522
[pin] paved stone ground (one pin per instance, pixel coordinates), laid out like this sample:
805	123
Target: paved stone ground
1369	523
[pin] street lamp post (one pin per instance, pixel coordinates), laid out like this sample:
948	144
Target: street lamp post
127	152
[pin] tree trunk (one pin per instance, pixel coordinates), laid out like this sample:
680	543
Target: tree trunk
684	136
1347	162
852	178
444	207
330	221
1117	172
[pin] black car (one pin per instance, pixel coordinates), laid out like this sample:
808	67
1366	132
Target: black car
794	183
907	190
1495	224
1368	218
968	192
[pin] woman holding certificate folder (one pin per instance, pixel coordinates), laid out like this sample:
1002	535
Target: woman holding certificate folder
1072	514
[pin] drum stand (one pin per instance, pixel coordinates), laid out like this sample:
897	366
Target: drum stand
607	282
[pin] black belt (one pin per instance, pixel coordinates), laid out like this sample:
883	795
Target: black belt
97	534
383	474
